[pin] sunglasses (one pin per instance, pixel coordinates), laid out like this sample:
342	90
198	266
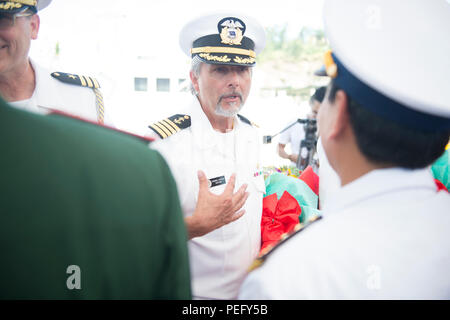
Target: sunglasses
8	20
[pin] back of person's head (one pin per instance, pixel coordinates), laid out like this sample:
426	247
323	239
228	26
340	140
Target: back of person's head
383	141
398	107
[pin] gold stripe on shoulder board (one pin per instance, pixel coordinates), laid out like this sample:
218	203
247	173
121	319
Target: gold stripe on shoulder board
163	128
159	131
174	128
96	84
173	124
74	79
167	127
83	81
89	82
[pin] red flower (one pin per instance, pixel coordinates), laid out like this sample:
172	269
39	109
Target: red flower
278	217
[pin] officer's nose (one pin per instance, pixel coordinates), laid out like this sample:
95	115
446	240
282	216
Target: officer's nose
234	79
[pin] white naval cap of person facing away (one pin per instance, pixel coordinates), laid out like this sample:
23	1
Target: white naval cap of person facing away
391	58
386	47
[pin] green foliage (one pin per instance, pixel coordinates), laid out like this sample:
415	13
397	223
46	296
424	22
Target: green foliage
291	62
57	49
309	45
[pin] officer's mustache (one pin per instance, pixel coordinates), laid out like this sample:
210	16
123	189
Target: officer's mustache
231	95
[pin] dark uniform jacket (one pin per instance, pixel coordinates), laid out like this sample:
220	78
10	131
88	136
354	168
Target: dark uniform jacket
86	213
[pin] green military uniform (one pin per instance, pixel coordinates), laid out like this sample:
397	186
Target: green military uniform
74	194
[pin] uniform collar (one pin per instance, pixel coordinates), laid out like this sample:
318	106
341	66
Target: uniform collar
380	182
202	130
46	93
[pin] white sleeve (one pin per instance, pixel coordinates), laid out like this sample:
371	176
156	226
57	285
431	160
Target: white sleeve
285	137
255	288
108	120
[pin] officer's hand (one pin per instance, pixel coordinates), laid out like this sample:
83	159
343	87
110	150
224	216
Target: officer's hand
214	211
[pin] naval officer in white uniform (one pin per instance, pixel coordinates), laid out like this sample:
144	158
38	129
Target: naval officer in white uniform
26	85
385	118
213	153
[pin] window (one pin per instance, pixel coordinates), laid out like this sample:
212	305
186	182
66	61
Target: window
163	85
140	84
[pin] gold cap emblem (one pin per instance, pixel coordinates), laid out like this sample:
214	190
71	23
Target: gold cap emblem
231	31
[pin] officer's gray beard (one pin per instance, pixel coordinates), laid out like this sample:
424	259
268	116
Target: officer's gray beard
232	112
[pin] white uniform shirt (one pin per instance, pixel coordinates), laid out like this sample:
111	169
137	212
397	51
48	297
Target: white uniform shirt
294	135
219	259
385	237
52	94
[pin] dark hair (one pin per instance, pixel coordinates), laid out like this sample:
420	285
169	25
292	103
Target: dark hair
319	94
383	141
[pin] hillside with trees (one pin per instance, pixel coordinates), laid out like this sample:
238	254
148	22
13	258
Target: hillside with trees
288	64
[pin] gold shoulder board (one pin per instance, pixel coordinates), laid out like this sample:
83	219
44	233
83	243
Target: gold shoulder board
75	79
169	126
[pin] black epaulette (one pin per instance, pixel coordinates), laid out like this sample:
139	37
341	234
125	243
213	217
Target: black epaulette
78	80
245	120
284	238
167	127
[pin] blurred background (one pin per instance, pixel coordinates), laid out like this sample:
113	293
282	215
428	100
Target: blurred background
132	48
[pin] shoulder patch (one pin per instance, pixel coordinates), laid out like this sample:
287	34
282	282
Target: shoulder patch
169	126
78	80
245	120
284	238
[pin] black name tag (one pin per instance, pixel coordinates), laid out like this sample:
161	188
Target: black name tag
214	182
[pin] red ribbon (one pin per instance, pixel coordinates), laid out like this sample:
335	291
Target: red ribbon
440	185
278	217
311	179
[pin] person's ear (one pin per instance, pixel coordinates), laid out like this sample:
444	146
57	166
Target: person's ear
341	120
35	23
194	81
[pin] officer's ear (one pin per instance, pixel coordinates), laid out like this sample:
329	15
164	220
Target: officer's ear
35	22
341	121
194	81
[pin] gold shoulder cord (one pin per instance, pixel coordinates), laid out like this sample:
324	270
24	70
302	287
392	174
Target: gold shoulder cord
100	106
